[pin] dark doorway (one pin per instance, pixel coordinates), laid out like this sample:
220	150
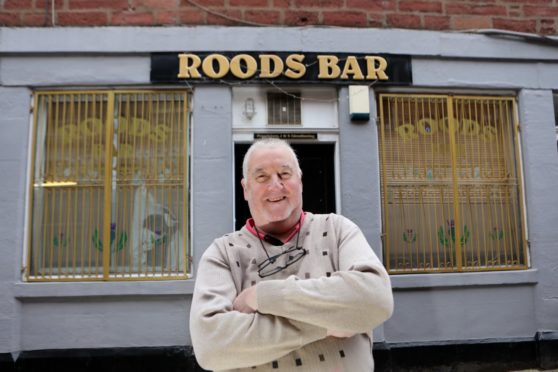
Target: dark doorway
318	177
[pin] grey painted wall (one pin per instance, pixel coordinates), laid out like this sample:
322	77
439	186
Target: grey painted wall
93	322
14	127
541	181
213	173
443	314
360	182
429	308
137	40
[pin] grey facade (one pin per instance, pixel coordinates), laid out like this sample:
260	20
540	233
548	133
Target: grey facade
430	309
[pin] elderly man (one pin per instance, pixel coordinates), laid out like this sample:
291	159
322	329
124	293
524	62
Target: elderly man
291	290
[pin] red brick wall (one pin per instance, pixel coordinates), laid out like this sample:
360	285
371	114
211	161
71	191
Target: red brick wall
536	16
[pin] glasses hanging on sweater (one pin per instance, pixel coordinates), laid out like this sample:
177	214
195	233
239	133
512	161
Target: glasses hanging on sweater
272	264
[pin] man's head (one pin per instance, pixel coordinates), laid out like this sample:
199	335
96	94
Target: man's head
272	183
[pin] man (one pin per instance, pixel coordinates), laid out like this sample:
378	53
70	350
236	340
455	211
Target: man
290	291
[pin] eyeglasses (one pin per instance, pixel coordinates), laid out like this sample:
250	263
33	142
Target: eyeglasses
269	267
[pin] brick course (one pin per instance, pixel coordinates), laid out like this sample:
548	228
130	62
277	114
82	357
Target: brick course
133	18
404	20
420	6
258	16
93	18
470	22
357	19
537	16
516	25
96	5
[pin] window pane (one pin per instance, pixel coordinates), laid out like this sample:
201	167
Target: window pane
149	203
488	183
68	185
418	178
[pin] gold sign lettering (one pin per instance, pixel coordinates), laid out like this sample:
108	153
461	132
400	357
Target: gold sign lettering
376	68
269	66
93	128
328	67
296	68
266	61
188	65
407	132
430	126
488	133
427	126
246	61
222	62
470	127
352	68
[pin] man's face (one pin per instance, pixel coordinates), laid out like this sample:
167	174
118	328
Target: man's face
273	189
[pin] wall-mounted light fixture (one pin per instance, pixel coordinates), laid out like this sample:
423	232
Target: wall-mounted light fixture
249	108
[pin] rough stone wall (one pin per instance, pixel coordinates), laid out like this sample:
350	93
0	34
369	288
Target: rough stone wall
533	16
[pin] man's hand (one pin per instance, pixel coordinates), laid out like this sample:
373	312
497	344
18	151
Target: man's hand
246	301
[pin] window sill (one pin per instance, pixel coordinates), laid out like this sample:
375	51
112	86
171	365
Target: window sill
417	281
24	291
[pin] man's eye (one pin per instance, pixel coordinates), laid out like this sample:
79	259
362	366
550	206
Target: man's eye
261	178
285	175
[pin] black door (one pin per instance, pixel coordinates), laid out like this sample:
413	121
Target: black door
318	179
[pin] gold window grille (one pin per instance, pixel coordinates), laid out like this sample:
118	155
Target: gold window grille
451	184
109	192
284	109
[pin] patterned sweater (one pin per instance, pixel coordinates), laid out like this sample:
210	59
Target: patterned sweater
339	285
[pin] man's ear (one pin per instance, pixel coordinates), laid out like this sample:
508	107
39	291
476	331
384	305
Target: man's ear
243	183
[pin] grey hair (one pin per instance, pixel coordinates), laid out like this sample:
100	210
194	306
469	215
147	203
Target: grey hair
269	143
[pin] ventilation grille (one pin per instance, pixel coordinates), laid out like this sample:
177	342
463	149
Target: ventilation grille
283	109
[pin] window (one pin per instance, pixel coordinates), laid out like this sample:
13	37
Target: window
283	109
451	184
110	191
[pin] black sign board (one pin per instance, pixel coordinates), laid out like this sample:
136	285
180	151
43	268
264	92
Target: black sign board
280	67
287	136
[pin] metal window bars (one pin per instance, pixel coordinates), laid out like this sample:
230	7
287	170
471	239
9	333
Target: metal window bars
110	186
284	109
451	184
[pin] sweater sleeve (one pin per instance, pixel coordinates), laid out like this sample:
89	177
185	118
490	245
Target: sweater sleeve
227	339
356	298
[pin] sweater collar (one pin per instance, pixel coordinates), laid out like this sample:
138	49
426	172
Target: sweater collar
269	238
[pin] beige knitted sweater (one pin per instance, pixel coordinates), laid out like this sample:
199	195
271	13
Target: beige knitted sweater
339	285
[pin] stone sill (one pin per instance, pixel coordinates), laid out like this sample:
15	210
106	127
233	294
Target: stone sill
444	280
24	291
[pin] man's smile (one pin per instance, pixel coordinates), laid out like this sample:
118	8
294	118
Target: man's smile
276	199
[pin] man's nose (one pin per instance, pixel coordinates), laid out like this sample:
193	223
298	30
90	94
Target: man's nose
276	181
